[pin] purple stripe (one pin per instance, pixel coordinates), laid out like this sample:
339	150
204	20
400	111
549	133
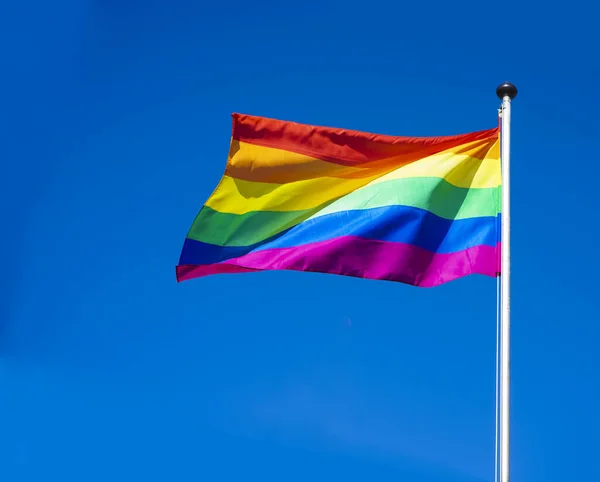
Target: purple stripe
361	258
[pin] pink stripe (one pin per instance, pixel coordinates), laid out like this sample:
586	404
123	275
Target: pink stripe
361	258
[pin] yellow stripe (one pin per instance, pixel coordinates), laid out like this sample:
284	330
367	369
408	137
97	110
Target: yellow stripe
462	170
239	197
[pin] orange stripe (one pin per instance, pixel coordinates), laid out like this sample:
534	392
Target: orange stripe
250	162
342	146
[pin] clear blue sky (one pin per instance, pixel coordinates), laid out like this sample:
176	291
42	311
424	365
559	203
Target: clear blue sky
115	127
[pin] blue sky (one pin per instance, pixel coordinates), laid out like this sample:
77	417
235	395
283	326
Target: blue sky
116	124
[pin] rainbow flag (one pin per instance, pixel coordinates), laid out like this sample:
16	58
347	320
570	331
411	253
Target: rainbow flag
417	210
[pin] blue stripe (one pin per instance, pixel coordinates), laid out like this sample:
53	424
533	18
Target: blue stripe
399	224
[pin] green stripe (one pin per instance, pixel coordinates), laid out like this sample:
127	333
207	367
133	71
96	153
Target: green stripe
432	194
226	229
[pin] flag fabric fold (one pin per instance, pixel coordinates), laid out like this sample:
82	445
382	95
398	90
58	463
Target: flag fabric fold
418	210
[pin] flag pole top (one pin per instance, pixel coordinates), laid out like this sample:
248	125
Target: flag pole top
506	89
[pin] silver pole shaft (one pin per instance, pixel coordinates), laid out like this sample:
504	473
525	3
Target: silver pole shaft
505	277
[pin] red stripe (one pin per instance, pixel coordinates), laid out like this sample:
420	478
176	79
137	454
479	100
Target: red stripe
342	146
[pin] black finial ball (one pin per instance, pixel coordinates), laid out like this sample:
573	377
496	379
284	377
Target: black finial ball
506	89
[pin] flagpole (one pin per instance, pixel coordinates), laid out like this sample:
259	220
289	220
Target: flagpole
506	92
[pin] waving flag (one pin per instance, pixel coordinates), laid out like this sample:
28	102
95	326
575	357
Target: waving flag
417	210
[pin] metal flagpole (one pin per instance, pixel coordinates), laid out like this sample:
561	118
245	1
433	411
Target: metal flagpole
506	92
